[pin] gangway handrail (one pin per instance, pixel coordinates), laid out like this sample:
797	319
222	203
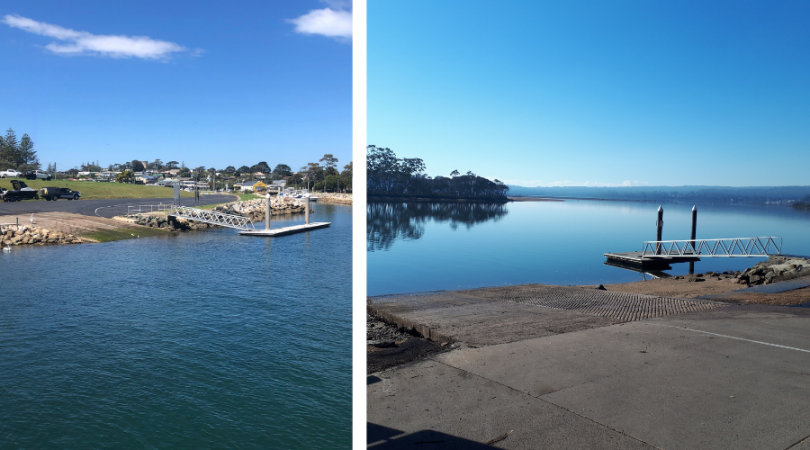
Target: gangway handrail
212	217
714	248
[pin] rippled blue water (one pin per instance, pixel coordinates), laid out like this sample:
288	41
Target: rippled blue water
415	248
202	340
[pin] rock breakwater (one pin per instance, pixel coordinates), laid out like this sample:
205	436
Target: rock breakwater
169	223
341	199
33	235
255	209
775	269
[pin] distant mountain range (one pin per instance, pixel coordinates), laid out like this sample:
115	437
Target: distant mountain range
778	195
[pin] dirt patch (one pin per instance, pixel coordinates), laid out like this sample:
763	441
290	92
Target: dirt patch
722	285
685	286
389	346
794	297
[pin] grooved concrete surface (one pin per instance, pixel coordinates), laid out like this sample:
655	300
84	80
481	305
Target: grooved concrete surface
618	306
736	377
507	314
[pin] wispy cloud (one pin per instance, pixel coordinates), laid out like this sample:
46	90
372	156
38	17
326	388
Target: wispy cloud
84	43
333	23
542	183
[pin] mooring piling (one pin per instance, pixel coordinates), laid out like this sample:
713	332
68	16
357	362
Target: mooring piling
693	236
306	211
659	225
267	212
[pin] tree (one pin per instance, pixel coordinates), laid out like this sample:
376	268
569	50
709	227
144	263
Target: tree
296	179
312	172
5	154
331	182
156	164
229	170
137	166
125	177
26	155
281	171
90	167
171	165
243	170
9	151
346	177
454	173
329	161
262	167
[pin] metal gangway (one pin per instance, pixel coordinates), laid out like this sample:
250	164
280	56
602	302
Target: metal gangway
714	248
212	217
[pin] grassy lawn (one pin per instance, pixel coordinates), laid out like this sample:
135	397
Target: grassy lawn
96	191
244	197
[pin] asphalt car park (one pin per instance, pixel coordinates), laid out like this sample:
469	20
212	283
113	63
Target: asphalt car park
101	208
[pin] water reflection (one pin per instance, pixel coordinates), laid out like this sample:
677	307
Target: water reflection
390	221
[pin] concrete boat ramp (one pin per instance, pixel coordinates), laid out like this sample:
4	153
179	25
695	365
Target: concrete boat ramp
557	367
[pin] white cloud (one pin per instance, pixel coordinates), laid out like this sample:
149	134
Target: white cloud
84	43
327	22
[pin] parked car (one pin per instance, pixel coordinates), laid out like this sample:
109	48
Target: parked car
37	175
10	173
55	193
20	192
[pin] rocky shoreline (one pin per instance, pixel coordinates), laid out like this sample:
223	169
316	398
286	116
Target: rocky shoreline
33	235
775	269
338	198
255	209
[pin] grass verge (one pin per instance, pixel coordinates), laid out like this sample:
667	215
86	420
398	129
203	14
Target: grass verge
98	191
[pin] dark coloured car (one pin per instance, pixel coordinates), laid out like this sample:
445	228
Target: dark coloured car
20	192
37	175
55	193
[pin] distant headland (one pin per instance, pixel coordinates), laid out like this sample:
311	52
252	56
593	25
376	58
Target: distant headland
795	196
396	179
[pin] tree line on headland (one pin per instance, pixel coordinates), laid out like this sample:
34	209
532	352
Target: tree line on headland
392	177
804	203
750	195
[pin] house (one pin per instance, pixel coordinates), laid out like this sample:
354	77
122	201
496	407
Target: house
167	182
147	179
279	185
259	176
250	186
72	173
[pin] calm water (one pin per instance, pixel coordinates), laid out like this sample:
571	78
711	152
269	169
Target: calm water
415	247
203	340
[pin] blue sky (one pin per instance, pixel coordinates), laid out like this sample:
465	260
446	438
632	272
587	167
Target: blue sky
208	83
594	92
